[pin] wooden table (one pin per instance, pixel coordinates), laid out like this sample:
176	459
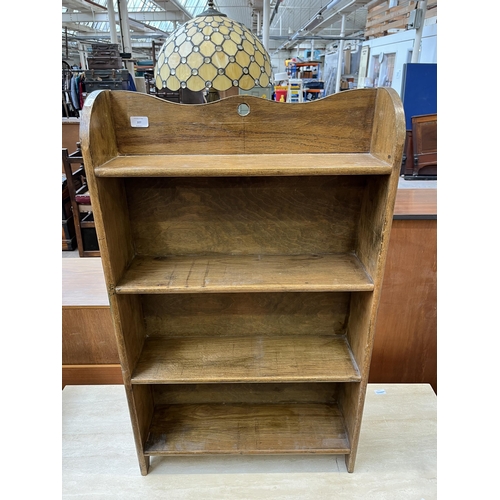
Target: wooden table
396	455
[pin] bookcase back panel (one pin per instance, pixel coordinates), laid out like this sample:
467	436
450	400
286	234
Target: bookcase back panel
230	314
270	127
249	215
325	392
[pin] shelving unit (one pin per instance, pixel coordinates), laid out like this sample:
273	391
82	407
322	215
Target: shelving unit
244	284
295	90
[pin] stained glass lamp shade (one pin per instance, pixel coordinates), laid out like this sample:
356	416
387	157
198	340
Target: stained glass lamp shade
212	51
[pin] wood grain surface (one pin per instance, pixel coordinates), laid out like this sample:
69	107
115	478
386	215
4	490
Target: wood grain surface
245	273
416	202
88	336
189	165
222	314
246	428
217	128
246	359
250	393
405	345
246	215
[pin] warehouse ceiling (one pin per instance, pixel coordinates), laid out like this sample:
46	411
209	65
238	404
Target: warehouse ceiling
291	21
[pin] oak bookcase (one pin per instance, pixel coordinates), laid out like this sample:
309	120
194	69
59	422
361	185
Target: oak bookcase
243	245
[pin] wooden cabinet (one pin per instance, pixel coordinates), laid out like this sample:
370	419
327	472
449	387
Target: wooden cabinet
243	259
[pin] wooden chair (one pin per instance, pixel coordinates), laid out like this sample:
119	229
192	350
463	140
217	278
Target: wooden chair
81	206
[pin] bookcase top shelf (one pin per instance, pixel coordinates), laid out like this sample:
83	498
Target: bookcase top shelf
243	165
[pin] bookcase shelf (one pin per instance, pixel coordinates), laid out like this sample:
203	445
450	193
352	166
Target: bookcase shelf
247	428
244	280
243	165
245	273
254	358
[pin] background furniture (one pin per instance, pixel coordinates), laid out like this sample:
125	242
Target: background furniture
420	156
83	217
89	352
239	280
397	456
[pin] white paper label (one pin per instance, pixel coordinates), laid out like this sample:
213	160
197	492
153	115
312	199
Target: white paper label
139	121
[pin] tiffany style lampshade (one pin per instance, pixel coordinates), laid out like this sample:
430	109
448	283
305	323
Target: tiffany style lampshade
212	51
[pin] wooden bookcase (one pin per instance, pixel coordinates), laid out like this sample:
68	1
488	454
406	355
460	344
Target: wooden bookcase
243	256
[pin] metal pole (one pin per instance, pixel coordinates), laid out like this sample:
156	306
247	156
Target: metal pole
112	22
265	24
341	55
125	32
415	55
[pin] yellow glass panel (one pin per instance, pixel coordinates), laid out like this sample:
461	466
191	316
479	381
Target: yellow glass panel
242	58
174	60
196	83
260	46
259	58
267	67
229	47
221	82
169	48
207	30
247	82
248	47
207	72
220	60
164	72
173	83
180	38
197	38
224	29
219	19
233	71
236	27
191	30
195	60
208	19
183	72
217	38
254	70
159	82
235	37
264	80
201	24
185	49
161	60
207	48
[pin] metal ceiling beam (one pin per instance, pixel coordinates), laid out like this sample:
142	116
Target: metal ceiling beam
86	17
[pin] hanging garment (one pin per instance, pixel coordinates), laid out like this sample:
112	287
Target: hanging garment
74	93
